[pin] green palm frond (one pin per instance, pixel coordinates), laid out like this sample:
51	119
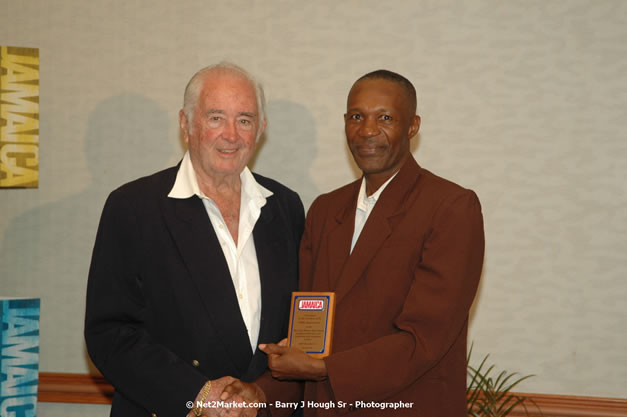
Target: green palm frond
489	394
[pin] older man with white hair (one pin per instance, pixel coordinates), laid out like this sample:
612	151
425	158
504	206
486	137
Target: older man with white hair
193	266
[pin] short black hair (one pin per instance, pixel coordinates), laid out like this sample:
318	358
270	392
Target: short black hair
383	74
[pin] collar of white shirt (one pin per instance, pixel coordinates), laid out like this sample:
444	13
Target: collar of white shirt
186	184
364	202
365	205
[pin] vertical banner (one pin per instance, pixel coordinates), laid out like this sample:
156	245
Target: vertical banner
19	117
19	361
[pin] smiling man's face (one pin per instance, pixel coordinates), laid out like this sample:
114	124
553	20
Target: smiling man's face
379	123
225	125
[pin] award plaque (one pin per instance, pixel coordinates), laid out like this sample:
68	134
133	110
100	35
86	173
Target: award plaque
311	322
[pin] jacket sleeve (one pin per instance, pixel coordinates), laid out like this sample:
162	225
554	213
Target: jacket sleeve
139	367
443	284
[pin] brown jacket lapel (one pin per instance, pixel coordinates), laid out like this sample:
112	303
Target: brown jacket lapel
379	226
340	237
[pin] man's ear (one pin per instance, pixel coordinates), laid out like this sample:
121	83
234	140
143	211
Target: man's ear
263	128
184	124
414	126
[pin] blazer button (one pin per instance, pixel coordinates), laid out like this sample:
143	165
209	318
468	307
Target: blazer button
195	363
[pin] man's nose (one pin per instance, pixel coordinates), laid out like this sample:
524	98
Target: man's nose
230	130
369	127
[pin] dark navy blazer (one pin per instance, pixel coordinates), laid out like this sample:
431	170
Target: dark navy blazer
162	314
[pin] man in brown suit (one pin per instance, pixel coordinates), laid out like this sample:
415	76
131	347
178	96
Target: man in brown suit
403	250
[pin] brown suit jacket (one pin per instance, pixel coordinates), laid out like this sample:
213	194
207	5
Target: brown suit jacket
402	296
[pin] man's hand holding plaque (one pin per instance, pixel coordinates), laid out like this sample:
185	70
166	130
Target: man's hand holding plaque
309	339
288	363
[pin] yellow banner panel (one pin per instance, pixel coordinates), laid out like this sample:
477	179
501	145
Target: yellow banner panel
19	117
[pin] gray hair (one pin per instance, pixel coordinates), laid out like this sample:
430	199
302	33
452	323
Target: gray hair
194	87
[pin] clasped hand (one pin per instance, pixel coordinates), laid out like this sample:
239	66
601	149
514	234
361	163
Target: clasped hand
227	390
285	363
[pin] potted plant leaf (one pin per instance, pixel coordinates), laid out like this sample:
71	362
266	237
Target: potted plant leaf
489	394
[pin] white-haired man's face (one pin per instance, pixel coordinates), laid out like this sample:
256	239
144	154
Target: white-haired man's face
225	125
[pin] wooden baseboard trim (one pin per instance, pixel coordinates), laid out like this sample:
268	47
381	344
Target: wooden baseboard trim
94	389
551	405
74	388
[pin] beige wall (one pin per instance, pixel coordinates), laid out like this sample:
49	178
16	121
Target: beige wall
523	101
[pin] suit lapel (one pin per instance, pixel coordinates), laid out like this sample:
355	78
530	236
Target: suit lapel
375	232
340	238
200	250
266	239
379	226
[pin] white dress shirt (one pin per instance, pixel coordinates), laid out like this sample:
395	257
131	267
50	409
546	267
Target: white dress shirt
365	205
241	258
